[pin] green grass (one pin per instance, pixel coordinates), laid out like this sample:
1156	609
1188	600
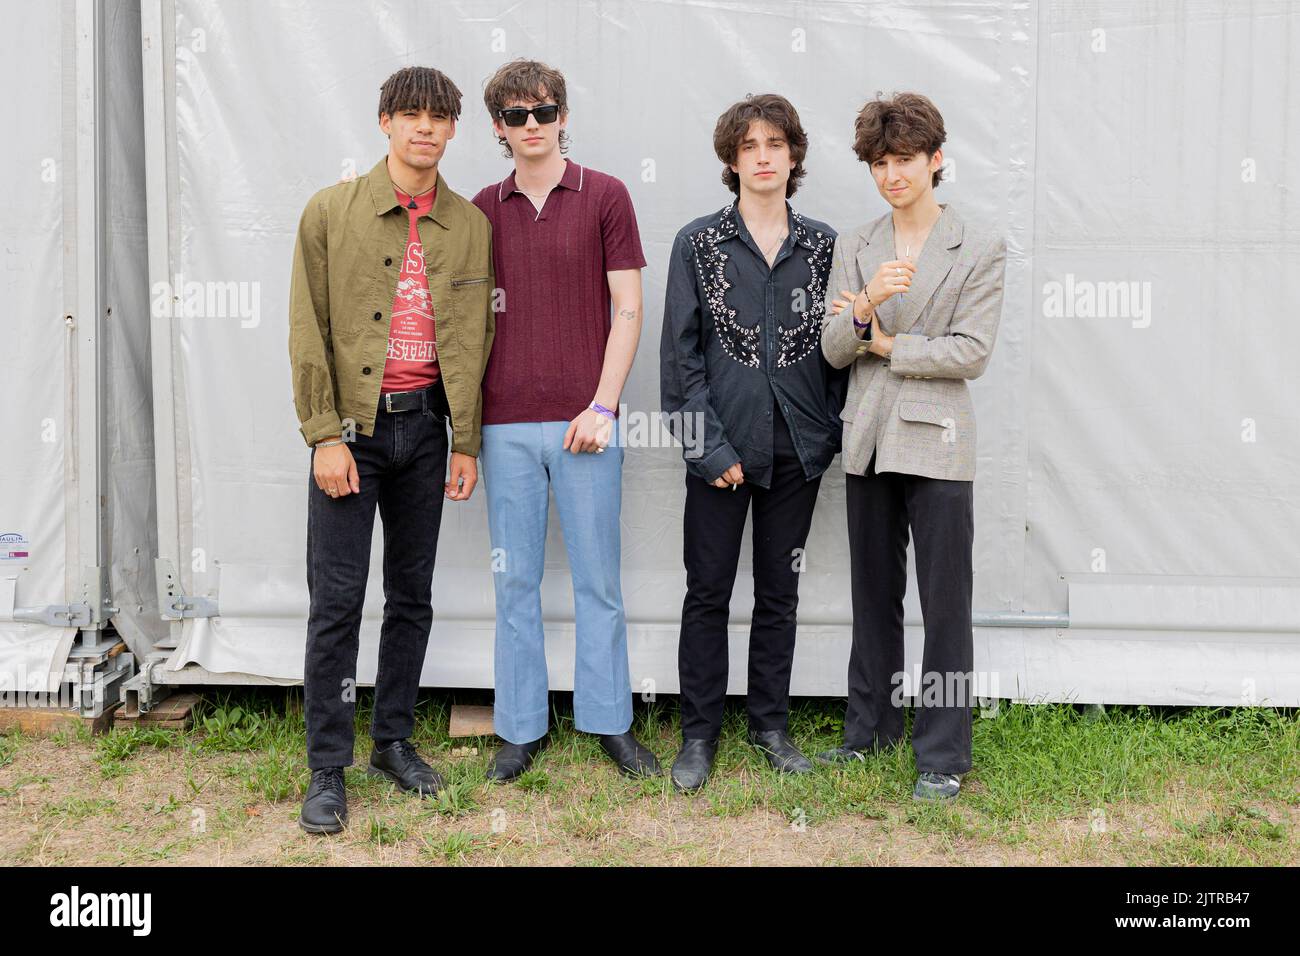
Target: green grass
1217	785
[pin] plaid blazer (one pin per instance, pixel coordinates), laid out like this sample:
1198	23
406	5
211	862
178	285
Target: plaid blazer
914	409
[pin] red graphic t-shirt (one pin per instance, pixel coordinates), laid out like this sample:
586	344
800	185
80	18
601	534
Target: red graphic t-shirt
412	348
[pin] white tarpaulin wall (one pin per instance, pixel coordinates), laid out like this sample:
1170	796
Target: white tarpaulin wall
1137	455
76	470
37	505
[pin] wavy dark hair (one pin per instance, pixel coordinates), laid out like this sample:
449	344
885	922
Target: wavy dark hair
734	124
903	124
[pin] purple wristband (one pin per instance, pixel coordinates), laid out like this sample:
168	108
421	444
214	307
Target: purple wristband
602	410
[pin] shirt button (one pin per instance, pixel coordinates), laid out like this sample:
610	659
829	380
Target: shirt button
366	370
378	316
388	260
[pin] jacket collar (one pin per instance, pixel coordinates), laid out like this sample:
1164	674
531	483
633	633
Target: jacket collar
385	200
731	225
572	179
949	228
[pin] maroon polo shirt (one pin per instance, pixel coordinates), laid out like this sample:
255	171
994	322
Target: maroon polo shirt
550	337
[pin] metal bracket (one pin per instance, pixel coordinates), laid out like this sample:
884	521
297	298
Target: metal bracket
173	603
56	615
91	613
140	694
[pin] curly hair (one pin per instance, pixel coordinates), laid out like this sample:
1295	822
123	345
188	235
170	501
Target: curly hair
732	126
903	124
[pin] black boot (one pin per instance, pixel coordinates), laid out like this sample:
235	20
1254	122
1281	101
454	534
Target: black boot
780	751
513	759
400	763
693	763
633	758
325	810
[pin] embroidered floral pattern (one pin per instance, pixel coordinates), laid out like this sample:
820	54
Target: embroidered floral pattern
798	343
740	342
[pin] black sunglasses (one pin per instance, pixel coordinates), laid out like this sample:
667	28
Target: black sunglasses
518	115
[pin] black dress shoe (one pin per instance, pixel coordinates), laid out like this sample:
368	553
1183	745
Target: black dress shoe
400	763
634	759
780	751
693	763
841	755
513	759
325	810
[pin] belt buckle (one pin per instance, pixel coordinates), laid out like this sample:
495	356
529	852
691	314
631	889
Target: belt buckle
388	401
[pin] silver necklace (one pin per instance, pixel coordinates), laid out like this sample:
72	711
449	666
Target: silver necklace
767	253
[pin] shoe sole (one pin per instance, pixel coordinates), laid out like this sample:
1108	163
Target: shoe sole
373	771
514	776
937	798
689	790
837	761
640	773
768	755
322	827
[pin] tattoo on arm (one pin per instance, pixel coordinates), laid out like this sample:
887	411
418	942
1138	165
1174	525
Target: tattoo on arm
628	314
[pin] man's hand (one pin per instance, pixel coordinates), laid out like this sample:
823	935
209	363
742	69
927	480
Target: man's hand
463	477
891	278
590	431
881	344
732	476
335	470
842	301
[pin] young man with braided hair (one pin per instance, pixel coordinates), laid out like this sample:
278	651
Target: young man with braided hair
390	325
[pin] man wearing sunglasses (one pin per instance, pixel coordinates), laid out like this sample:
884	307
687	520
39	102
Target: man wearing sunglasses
565	247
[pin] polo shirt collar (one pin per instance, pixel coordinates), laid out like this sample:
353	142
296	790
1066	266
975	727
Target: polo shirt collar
385	199
572	179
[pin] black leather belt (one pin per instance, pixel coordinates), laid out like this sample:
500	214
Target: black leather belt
433	398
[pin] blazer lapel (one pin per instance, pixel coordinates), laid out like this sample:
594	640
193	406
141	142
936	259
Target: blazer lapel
877	249
932	267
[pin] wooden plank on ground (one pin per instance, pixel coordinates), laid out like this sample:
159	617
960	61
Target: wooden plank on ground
47	721
470	720
175	712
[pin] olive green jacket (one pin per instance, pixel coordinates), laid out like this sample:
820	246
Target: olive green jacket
351	243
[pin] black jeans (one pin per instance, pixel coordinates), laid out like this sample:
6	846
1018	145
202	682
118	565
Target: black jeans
714	523
940	513
402	468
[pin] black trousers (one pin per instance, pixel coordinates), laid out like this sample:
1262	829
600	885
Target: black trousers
940	513
402	469
714	523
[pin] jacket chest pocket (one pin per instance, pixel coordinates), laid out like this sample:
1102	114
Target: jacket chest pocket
471	298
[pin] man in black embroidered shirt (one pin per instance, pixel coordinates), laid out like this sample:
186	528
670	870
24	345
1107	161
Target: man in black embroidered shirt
746	390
